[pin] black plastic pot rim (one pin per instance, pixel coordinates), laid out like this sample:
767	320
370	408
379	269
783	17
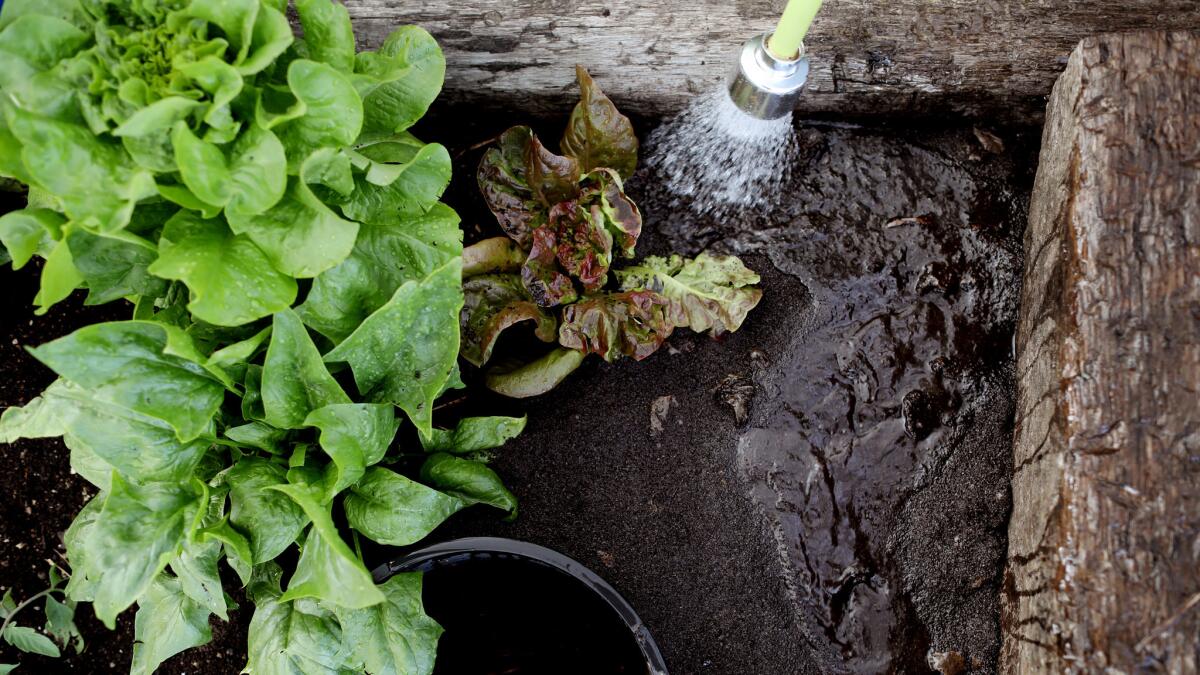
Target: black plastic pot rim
547	557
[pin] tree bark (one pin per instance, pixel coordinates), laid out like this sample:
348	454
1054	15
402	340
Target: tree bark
982	57
1104	541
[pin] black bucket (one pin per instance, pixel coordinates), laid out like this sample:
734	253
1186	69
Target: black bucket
513	607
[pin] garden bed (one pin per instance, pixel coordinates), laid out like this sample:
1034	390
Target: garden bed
644	471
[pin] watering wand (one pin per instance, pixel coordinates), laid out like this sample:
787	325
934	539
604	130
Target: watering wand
772	68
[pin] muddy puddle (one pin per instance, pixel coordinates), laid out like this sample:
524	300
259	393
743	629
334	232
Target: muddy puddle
878	446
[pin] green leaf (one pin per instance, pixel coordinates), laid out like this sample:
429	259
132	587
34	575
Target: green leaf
96	181
401	80
709	293
82	584
520	180
404	178
235	18
385	256
299	235
328	167
92	467
239	352
536	377
475	434
295	381
327	569
333	110
271	520
247	182
6	668
597	135
395	511
612	325
471	481
60	622
355	436
395	636
157	117
258	435
140	447
29	232
140	365
237	547
168	621
493	303
230	279
115	267
139	530
252	405
34	43
222	83
272	35
495	255
328	33
181	196
29	640
405	352
196	571
286	641
59	278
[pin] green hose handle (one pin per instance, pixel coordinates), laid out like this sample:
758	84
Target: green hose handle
785	42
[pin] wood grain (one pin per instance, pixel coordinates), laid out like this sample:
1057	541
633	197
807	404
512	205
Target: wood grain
1104	541
994	58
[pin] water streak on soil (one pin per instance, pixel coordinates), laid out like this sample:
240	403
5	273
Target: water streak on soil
879	448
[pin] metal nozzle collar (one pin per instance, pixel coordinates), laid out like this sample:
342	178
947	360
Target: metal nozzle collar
764	86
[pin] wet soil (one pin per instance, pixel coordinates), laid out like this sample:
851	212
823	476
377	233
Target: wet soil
882	348
879	448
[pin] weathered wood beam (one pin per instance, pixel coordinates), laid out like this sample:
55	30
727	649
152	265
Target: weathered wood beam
1104	541
984	57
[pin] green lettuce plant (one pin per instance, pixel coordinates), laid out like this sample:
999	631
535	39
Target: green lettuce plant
197	159
567	221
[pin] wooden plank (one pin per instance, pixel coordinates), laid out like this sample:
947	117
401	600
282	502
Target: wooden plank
1104	541
983	57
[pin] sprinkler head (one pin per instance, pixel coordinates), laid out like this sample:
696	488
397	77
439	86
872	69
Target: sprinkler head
764	86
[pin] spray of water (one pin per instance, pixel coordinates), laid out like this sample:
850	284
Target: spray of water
717	161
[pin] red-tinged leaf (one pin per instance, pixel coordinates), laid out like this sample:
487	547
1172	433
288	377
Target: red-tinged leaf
584	246
617	324
620	216
520	180
545	283
597	135
493	303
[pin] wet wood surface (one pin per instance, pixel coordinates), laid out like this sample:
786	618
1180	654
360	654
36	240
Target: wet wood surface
996	58
1104	541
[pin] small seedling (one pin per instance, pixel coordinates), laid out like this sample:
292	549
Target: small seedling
59	631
